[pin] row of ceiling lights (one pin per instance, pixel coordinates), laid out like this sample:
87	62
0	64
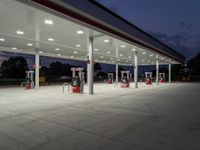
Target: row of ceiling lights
156	56
75	52
50	22
57	49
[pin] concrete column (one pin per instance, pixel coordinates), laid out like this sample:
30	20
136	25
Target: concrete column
90	71
117	66
136	68
169	73
37	68
37	56
117	79
73	73
157	71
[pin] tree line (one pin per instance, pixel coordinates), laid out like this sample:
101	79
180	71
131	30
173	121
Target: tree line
16	67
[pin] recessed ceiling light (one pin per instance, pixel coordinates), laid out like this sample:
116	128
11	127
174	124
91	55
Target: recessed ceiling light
143	59
96	49
108	52
106	41
148	61
162	58
133	49
57	49
59	54
47	21
50	39
143	53
101	56
111	58
20	32
29	44
127	61
75	52
14	48
72	56
40	52
104	61
151	55
120	55
2	40
122	46
79	32
96	60
129	57
78	45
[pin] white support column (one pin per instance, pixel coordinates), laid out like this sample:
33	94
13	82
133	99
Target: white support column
169	73
136	68
37	56
117	66
117	79
90	67
157	72
37	69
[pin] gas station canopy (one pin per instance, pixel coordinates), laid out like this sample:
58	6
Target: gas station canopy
62	28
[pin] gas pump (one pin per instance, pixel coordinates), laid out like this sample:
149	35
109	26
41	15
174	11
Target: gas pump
125	79
77	80
110	78
130	77
148	77
29	83
162	77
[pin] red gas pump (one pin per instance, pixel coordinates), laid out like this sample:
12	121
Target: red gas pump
148	78
125	82
29	83
110	78
125	79
76	84
162	77
77	80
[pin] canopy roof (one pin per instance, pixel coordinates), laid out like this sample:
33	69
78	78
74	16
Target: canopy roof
61	29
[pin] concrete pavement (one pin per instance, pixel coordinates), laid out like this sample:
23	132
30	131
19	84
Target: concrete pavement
165	117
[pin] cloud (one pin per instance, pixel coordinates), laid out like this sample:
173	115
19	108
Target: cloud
189	46
186	26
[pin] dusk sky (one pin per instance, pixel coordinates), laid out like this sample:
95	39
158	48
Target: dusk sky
174	22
